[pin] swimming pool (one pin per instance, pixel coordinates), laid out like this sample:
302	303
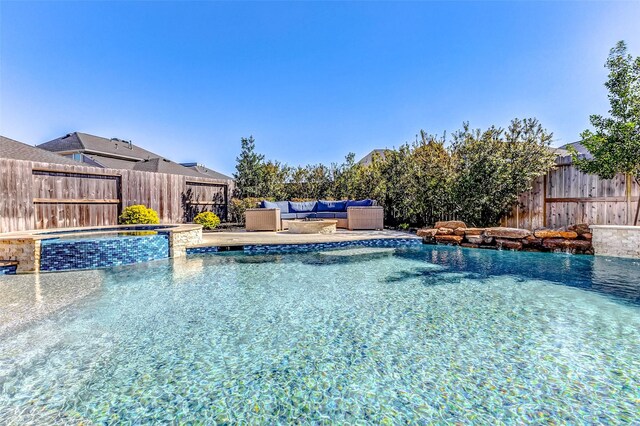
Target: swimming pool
412	334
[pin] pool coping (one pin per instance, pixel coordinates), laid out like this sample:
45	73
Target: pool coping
45	234
299	247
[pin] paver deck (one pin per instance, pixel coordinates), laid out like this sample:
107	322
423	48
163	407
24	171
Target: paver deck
242	238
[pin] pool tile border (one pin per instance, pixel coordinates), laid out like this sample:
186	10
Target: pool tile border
8	268
309	247
92	253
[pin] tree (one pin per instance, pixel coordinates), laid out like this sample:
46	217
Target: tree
493	167
344	177
274	178
249	170
434	176
296	187
319	183
614	144
369	180
402	188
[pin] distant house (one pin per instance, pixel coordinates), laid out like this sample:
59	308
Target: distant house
368	159
206	171
14	150
116	153
85	180
582	151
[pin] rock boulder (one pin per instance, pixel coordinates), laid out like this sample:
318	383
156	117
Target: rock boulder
459	231
473	231
551	233
448	239
578	246
451	224
445	231
512	233
508	244
427	232
581	228
475	239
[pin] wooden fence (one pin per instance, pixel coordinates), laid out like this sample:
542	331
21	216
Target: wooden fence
566	196
42	195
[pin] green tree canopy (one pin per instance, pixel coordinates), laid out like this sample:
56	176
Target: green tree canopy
249	170
477	177
493	167
614	143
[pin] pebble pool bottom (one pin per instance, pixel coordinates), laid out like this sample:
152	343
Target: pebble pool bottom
428	334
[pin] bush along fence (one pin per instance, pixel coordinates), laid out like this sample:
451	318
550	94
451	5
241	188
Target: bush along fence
572	239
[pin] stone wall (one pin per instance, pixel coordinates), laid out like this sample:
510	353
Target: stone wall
613	240
26	251
180	239
572	239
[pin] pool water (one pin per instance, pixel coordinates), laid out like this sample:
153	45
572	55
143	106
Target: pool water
421	334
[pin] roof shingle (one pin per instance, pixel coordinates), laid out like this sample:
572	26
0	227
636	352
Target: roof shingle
15	150
120	154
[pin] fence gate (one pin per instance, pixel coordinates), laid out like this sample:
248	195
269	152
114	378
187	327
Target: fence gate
200	197
67	199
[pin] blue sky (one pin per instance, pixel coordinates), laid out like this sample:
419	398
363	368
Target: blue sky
310	81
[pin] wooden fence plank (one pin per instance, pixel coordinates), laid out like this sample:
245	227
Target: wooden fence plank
573	197
37	195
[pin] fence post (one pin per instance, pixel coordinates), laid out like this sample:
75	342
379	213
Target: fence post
627	180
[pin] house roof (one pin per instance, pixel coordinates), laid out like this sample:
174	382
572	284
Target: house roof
87	143
15	150
206	171
110	162
368	159
582	150
120	154
162	165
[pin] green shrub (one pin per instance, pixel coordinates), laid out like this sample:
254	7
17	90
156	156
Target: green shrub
138	214
474	175
208	220
238	207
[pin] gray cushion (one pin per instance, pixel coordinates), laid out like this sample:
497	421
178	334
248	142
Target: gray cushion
287	215
302	207
305	215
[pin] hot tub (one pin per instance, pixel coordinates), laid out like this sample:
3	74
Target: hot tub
97	247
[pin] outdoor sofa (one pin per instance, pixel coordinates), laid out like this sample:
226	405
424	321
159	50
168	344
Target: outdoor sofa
350	214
